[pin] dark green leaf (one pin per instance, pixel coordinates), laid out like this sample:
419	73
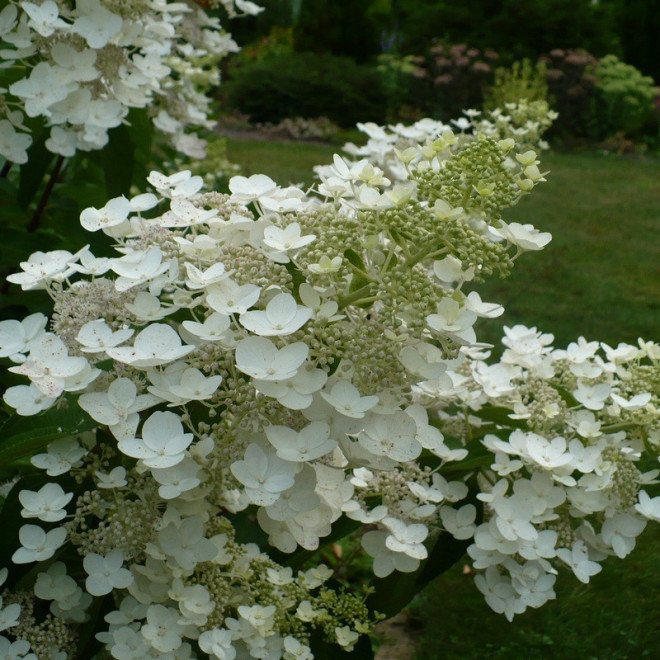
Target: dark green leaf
567	397
33	172
297	278
393	593
499	415
398	238
22	437
354	258
118	160
340	529
141	131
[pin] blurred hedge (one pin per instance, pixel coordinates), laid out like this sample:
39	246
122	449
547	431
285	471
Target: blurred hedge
308	85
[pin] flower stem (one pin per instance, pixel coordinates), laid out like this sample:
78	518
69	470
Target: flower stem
357	295
33	225
5	169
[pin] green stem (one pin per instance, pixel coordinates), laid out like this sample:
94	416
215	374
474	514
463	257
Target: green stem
33	225
425	253
622	426
359	294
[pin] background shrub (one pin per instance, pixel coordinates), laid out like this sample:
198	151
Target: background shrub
404	81
624	100
523	80
538	25
308	85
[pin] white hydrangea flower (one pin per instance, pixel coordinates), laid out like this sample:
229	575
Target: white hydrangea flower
289	238
310	443
282	316
263	474
577	559
105	573
163	442
249	189
27	400
218	644
47	504
260	358
406	539
37	545
157	344
345	398
61	455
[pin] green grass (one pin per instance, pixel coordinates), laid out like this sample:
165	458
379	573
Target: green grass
600	278
600	275
614	617
286	162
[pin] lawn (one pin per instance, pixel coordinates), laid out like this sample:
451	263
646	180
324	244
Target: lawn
286	162
600	277
614	617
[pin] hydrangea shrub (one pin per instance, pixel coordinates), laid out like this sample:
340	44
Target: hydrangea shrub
257	374
70	72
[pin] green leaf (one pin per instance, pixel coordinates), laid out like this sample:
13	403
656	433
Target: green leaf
23	437
398	238
87	643
118	161
247	529
393	592
140	128
33	172
340	529
567	397
499	415
297	278
446	552
354	258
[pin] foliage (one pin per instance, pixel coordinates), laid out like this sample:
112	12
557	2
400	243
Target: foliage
307	85
625	98
638	24
336	27
537	26
278	17
403	83
278	42
523	80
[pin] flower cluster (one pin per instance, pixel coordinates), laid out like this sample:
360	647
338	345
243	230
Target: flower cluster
568	463
524	120
260	366
394	146
79	70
